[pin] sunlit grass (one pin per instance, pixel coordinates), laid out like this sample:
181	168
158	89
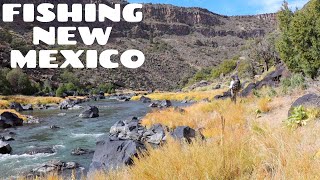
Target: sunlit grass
264	105
29	100
238	146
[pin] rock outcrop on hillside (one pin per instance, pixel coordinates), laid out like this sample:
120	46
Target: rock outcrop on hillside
176	41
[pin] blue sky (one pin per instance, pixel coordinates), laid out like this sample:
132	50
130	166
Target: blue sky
231	7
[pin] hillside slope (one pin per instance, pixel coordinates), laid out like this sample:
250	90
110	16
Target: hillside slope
177	41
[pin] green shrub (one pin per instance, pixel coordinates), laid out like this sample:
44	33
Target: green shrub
245	69
293	82
107	88
225	67
70	87
20	82
47	87
69	77
21	45
5	36
5	85
62	88
298	118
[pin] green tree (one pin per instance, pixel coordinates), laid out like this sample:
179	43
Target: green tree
5	85
61	90
299	44
20	82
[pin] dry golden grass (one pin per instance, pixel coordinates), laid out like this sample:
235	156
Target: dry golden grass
237	147
264	105
204	116
29	100
192	95
4	104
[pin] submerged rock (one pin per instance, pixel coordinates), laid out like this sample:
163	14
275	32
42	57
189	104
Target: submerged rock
7	138
8	120
40	150
90	112
31	120
80	151
5	148
54	127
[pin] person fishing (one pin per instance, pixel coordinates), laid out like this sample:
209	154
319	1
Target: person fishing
235	87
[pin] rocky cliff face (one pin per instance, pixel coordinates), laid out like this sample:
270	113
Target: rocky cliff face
176	41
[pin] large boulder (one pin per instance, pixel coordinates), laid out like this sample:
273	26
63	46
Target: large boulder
156	134
202	83
16	106
128	130
53	166
5	148
67	104
184	133
27	107
225	95
90	112
165	104
308	101
113	153
8	120
248	90
145	99
161	104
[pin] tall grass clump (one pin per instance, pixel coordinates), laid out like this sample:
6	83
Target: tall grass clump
296	81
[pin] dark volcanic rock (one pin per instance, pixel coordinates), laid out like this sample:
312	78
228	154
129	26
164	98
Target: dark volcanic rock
161	104
165	104
80	151
308	101
90	112
225	95
8	120
7	138
248	90
54	127
5	148
184	133
115	153
66	104
53	166
40	150
27	107
145	99
16	106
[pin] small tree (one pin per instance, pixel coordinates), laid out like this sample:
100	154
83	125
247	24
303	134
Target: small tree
20	82
5	85
61	90
300	38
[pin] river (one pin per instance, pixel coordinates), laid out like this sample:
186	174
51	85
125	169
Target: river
74	132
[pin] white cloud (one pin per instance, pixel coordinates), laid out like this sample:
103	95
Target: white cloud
269	6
